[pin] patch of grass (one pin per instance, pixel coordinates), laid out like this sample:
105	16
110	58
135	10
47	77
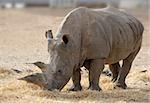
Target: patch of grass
18	91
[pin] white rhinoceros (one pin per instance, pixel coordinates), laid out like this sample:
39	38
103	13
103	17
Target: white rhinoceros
92	38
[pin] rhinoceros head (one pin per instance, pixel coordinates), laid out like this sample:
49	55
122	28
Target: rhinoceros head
59	69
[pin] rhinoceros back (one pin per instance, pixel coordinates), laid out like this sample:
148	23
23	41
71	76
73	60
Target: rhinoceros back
114	34
126	33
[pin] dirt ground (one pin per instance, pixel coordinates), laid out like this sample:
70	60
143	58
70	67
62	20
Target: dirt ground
22	40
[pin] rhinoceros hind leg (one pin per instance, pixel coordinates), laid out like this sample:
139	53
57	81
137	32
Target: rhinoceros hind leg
76	78
96	67
127	63
114	68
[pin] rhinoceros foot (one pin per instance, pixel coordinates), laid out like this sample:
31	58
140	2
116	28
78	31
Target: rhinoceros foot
76	88
120	85
94	87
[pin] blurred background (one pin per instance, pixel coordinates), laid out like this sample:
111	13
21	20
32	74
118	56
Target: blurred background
74	3
23	24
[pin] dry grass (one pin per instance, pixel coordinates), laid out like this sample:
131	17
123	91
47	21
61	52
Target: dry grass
13	90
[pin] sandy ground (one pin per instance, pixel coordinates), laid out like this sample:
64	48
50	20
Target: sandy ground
22	41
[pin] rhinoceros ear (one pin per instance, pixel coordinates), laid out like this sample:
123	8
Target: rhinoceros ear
49	34
65	38
41	65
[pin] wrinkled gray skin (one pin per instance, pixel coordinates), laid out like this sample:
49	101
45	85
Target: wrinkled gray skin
92	38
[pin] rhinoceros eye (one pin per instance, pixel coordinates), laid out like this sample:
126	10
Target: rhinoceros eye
59	71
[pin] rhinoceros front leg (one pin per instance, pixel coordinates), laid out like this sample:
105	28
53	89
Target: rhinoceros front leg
96	67
114	68
127	63
76	78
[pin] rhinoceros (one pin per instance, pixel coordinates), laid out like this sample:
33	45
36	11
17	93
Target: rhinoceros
91	38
